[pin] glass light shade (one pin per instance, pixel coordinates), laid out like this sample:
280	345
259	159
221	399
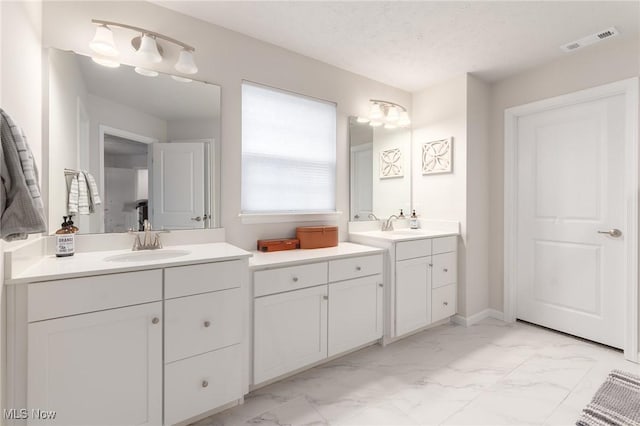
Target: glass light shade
102	42
375	112
362	120
110	63
404	120
148	50
186	64
390	126
146	72
181	79
373	123
392	114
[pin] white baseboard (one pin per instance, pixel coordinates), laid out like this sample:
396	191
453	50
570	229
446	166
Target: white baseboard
476	318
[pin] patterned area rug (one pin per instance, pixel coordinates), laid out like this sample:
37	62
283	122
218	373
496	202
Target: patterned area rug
617	402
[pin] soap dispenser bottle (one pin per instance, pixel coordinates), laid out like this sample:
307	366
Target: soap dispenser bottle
65	240
413	220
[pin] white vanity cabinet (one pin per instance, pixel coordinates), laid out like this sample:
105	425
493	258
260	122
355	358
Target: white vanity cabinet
421	272
305	313
146	347
104	366
356	304
413	294
203	331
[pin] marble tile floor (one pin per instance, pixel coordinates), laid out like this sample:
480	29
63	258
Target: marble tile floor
492	373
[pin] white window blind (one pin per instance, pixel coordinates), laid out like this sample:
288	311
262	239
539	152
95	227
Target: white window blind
288	152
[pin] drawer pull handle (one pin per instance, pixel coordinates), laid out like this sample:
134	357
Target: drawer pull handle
207	324
155	320
295	279
380	285
205	383
445	303
445	269
358	268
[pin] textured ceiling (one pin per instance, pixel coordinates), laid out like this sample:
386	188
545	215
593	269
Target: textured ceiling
412	45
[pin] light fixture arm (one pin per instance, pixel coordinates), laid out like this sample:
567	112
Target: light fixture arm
387	104
144	31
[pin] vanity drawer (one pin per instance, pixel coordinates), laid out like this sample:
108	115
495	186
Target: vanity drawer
201	323
74	296
354	267
443	302
194	279
413	249
445	244
445	269
292	278
198	384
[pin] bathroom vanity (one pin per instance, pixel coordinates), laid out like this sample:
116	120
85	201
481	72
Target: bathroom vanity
147	338
312	305
420	272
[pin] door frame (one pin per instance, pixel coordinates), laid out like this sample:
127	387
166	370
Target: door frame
628	88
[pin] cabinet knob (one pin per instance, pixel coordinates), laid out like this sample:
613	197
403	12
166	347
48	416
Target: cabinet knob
358	268
445	269
445	303
295	279
207	323
155	320
430	265
325	297
380	285
205	383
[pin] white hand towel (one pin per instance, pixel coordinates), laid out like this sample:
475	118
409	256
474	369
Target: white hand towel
94	197
73	195
83	195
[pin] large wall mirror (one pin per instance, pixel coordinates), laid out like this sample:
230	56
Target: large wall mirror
151	144
380	173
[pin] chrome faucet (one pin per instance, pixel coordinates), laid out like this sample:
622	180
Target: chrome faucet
151	240
388	225
372	216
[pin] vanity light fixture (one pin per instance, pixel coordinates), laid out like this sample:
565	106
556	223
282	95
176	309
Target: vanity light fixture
145	44
390	114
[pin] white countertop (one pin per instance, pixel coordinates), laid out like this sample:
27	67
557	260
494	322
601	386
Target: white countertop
404	234
94	263
262	260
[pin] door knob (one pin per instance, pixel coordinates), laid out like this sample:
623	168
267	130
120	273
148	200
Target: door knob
615	233
197	218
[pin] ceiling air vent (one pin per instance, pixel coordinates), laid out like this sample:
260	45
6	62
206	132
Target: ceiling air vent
588	40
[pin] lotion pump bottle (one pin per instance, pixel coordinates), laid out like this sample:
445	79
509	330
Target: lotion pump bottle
65	240
413	220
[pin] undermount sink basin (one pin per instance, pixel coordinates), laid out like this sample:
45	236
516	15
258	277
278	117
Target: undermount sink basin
147	255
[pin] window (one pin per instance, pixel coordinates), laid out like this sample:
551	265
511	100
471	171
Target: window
288	152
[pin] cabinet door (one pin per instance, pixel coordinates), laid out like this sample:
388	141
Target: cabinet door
355	313
98	368
413	294
290	331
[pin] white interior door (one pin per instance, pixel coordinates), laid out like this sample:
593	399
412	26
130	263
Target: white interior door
178	200
570	171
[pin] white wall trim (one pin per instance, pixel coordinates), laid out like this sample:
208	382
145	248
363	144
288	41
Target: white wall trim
476	318
628	88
